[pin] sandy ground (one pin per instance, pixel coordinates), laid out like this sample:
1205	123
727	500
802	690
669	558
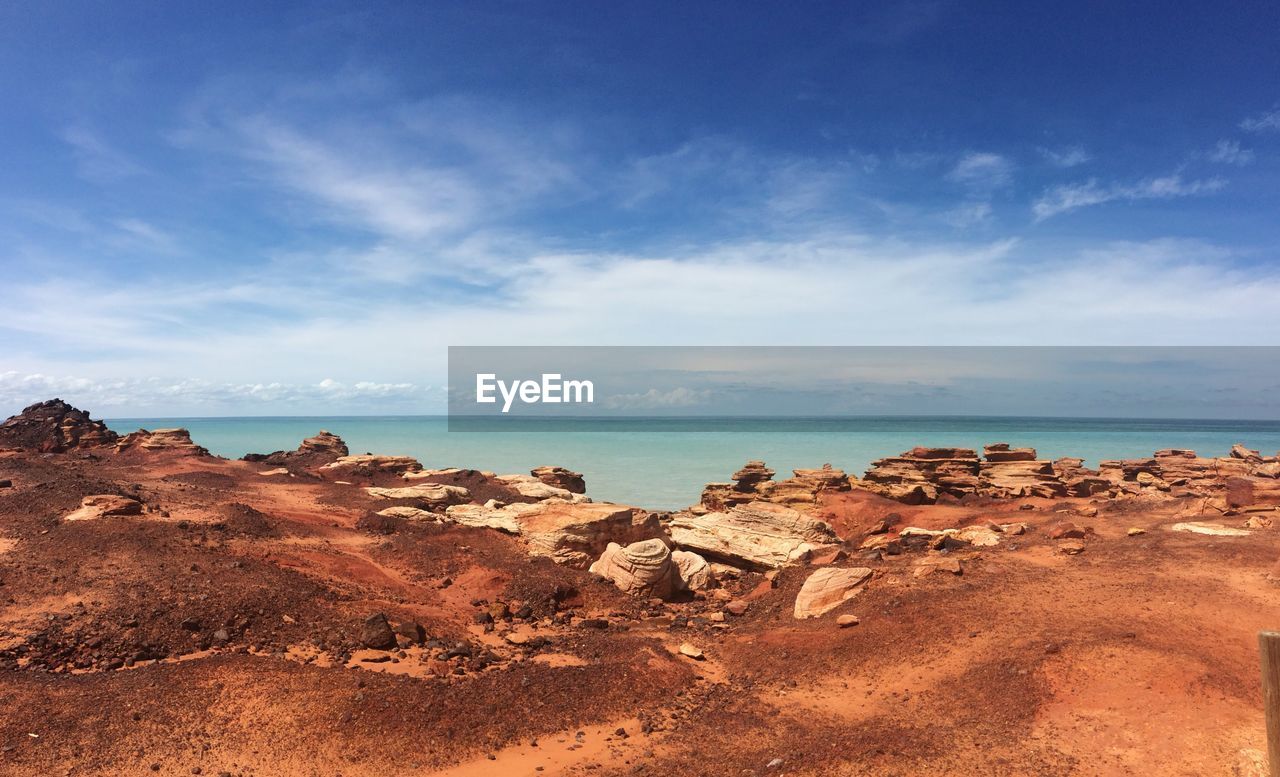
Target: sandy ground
1135	657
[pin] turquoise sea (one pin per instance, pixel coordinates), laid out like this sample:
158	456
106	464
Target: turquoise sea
658	464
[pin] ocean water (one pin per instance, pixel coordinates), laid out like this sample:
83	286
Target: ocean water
655	464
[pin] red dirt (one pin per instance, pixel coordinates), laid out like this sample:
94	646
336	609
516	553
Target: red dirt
1135	657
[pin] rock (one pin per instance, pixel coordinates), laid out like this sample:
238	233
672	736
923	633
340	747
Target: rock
1071	547
6	483
642	569
931	565
429	494
1238	451
368	465
1001	451
533	488
846	620
488	516
326	443
409	513
751	475
822	558
920	475
1135	531
54	427
576	533
737	607
1258	522
827	588
1066	530
694	571
1211	529
560	477
754	483
104	505
1018	478
690	651
376	633
758	535
1148	480
174	440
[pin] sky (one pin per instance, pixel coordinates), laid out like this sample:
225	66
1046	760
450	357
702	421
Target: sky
284	208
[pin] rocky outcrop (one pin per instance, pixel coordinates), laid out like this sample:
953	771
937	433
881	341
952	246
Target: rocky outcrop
827	589
920	475
559	477
103	506
426	494
325	448
326	443
754	483
534	488
174	440
54	427
369	465
640	569
570	533
755	535
1079	480
1015	472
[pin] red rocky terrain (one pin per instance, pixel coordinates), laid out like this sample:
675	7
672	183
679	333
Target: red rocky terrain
310	612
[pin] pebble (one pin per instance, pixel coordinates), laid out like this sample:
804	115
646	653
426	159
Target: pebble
845	621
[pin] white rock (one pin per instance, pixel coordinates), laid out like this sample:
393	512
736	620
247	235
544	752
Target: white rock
640	569
757	534
695	573
431	493
1212	529
827	588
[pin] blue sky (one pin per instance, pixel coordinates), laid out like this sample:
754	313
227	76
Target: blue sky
284	208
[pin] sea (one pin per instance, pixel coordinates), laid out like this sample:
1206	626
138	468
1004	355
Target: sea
664	463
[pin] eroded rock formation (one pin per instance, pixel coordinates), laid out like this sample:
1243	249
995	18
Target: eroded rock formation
754	535
54	427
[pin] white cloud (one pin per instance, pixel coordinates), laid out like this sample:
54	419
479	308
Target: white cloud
1268	121
968	214
982	170
1070	156
1229	152
1068	197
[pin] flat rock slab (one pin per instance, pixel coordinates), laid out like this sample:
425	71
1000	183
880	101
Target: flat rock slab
827	589
1211	529
431	493
759	534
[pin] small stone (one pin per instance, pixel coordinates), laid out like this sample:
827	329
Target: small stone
774	764
1135	531
690	651
845	621
736	607
1071	547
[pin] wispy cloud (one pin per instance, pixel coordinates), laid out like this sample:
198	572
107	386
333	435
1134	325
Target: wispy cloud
1069	156
655	399
982	170
1068	197
1268	121
968	214
1229	152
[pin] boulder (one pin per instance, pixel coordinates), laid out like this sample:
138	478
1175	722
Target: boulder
643	569
174	440
376	633
827	589
490	515
576	533
104	505
755	535
694	571
54	427
921	475
560	477
1016	478
1238	451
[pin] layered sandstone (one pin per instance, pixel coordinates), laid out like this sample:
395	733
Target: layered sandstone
175	440
754	535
